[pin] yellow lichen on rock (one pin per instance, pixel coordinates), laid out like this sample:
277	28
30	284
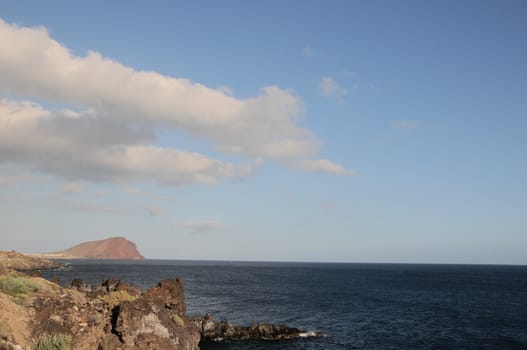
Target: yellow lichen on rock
116	297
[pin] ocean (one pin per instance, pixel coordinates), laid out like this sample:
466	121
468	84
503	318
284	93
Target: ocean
356	306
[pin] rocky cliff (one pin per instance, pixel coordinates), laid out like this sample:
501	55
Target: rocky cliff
113	316
110	248
39	314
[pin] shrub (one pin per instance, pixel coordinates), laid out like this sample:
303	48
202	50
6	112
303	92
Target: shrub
54	342
18	286
177	320
115	298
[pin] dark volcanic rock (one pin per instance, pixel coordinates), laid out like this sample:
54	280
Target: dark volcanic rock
118	316
169	294
224	330
156	320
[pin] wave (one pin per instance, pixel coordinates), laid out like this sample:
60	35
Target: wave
310	334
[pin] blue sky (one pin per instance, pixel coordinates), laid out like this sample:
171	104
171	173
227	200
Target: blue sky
380	131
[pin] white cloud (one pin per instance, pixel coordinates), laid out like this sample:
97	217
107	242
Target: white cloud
50	142
246	126
135	192
406	124
197	227
72	187
108	136
322	166
226	90
154	210
329	87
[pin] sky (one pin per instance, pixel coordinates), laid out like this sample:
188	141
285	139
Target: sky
342	131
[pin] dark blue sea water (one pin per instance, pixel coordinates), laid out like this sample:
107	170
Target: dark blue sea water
358	306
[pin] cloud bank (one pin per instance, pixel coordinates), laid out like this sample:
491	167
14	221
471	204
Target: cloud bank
58	143
108	133
72	187
199	227
321	166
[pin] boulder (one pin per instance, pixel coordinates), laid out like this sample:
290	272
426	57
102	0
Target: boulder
169	294
156	320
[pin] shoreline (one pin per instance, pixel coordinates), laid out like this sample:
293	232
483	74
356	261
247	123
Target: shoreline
114	315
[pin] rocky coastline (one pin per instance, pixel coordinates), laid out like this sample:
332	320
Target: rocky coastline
21	262
113	315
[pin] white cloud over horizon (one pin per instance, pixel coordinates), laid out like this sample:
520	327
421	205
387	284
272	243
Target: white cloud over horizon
200	227
108	134
72	187
135	192
321	166
154	210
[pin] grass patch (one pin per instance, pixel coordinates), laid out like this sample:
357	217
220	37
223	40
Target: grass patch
115	298
54	342
18	286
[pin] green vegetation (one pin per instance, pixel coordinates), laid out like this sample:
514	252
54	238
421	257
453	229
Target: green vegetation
19	286
177	320
54	342
115	298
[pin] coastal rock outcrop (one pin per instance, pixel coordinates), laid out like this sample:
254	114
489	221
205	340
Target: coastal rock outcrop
156	320
112	316
18	261
224	330
118	316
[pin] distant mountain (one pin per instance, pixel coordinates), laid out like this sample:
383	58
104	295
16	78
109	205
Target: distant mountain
110	248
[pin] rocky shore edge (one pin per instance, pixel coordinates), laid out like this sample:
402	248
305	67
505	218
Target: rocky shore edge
40	314
21	262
